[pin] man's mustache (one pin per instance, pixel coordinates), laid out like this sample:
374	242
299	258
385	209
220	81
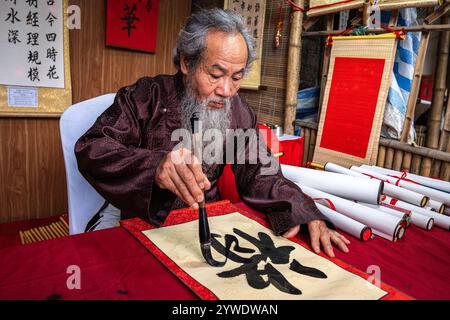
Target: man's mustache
217	100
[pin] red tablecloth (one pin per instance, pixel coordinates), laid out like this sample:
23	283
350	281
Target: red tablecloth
114	265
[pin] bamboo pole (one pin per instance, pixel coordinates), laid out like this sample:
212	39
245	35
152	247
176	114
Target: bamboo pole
394	18
415	87
312	144
421	28
417	3
415	165
22	238
325	64
366	14
310	22
406	164
437	14
398	155
64	222
389	158
425	169
381	156
306	144
445	142
440	82
398	160
293	68
44	231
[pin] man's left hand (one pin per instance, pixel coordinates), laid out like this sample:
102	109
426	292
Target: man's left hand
320	234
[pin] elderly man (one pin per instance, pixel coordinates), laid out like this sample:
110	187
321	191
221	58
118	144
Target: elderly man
130	158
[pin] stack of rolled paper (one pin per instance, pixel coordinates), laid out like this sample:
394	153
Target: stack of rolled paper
365	201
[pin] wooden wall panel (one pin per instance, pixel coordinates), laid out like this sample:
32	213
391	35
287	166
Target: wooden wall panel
32	174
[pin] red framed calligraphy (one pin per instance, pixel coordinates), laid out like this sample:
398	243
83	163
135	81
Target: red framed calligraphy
132	24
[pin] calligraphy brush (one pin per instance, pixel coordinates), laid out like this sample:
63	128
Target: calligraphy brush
203	225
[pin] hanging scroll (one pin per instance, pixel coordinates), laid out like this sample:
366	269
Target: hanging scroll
259	266
354	100
395	4
320	7
253	12
34	58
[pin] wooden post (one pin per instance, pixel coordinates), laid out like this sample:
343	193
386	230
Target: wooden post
389	158
415	87
307	133
381	156
293	68
435	117
415	165
325	64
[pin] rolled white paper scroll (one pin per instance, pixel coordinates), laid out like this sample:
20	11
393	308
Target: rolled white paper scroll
436	206
344	186
428	182
381	221
405	217
439	219
389	189
431	193
352	227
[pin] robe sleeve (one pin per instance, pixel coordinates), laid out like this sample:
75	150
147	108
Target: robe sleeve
110	158
283	202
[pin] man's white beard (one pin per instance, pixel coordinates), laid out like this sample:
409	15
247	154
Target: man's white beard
211	118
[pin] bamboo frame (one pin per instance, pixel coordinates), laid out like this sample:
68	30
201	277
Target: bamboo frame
381	156
434	16
389	158
422	28
325	63
415	87
415	164
293	68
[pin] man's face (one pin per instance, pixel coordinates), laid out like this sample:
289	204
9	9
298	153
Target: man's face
218	76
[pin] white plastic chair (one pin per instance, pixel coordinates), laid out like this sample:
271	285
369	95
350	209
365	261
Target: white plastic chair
83	200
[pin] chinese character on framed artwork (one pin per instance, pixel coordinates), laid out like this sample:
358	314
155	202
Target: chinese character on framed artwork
132	24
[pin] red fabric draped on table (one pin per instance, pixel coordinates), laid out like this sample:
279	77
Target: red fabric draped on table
114	265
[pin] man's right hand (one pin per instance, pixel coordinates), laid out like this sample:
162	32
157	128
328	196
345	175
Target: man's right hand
181	172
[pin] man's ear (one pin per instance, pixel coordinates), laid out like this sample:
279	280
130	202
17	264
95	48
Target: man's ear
183	65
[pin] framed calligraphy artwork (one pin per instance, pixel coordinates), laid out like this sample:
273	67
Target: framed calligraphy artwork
34	60
132	24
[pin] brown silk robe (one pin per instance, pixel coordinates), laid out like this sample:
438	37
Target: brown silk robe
120	153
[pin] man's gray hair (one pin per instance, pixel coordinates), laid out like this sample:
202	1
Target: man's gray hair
192	38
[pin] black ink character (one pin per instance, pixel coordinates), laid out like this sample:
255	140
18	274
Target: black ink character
52	73
50	2
33	19
51	19
12	16
33	74
261	264
33	38
257	7
51	37
243	6
129	18
33	57
13	36
51	54
32	3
